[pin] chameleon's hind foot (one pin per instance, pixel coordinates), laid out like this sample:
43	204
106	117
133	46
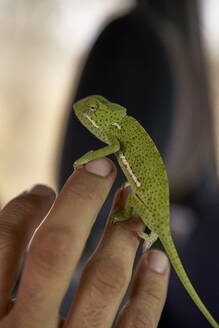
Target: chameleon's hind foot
127	212
122	216
149	239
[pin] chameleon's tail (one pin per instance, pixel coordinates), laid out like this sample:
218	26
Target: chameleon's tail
174	258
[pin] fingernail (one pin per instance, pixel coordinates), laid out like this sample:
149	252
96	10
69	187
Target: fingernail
157	261
100	166
39	190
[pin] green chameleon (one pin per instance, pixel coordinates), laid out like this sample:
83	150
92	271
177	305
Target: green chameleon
144	170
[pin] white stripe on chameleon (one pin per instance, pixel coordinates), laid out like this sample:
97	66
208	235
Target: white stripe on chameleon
121	155
117	125
92	121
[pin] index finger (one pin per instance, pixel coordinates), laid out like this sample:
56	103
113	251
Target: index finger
58	244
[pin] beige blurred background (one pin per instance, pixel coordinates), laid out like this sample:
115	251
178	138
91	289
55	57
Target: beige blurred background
43	44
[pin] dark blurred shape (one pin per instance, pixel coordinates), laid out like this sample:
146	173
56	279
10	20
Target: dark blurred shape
151	62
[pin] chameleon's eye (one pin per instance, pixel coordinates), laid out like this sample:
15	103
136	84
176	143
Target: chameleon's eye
92	105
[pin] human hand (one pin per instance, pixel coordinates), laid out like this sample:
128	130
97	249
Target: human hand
56	248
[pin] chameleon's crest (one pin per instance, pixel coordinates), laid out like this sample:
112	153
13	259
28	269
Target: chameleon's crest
119	110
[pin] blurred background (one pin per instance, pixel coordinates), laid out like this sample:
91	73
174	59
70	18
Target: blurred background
43	46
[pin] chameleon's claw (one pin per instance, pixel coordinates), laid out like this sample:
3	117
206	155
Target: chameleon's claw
76	165
113	221
79	162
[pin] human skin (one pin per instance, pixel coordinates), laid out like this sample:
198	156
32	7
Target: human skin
56	247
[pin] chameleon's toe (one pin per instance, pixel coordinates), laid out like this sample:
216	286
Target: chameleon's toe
125	184
76	165
84	159
149	239
80	161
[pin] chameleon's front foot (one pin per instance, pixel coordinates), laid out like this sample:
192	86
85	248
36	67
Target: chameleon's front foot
149	239
84	159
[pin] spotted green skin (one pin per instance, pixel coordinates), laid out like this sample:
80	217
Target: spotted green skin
145	173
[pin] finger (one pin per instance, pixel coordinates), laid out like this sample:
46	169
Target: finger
18	220
107	274
58	244
148	294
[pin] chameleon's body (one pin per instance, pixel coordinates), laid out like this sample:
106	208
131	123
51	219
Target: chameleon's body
144	170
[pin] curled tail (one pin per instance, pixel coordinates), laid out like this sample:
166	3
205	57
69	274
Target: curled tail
169	246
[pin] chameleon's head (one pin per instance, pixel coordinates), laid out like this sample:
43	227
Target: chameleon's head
98	114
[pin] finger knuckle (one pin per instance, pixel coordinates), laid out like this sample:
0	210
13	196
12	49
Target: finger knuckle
109	278
7	237
24	204
154	293
19	210
49	248
10	233
14	220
